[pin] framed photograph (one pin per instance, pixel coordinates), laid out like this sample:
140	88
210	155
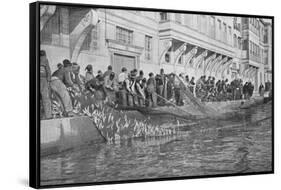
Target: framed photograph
126	94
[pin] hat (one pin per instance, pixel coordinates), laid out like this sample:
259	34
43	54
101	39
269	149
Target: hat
42	53
109	67
89	67
133	74
59	65
123	69
66	63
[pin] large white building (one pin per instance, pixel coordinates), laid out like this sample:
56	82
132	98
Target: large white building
194	44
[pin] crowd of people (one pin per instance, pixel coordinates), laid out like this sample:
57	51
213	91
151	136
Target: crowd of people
131	88
223	90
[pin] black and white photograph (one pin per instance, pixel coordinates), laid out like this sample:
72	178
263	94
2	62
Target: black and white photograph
136	94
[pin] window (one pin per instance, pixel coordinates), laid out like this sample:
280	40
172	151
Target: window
251	20
224	32
91	40
236	25
212	27
95	37
195	21
167	56
229	34
188	20
239	43
163	16
148	47
180	61
124	35
178	18
224	27
219	32
203	24
251	47
219	21
265	36
229	30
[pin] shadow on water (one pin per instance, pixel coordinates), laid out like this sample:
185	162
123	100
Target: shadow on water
238	145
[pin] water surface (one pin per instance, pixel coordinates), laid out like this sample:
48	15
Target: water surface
240	145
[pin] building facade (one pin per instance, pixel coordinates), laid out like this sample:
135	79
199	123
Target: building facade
193	44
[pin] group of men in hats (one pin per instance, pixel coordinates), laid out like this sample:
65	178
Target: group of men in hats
131	88
58	82
126	89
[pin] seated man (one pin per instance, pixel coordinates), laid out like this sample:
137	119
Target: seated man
96	87
59	82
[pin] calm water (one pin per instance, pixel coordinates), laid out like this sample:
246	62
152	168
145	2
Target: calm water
239	145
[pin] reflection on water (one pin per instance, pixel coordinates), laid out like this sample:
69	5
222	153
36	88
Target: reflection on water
240	145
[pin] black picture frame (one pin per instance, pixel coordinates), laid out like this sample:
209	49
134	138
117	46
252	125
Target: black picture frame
34	98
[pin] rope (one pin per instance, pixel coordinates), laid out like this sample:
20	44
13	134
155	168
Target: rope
172	104
194	100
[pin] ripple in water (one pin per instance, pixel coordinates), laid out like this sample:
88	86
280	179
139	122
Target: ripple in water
240	145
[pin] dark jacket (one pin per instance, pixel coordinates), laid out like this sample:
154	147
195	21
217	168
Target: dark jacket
64	74
151	84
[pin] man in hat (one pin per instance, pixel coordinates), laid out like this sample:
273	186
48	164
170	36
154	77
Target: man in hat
59	66
59	83
100	74
160	83
177	90
151	91
140	90
131	89
89	73
76	77
45	77
109	70
192	85
170	86
122	94
111	87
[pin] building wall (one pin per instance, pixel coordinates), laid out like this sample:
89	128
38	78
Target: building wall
229	37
